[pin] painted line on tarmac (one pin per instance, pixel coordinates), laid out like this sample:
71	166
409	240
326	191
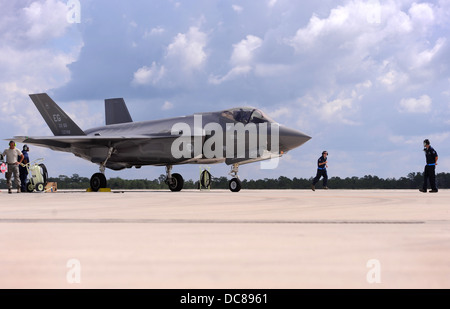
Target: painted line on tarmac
205	221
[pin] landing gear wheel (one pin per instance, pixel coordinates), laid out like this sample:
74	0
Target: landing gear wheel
40	187
30	187
235	185
98	180
176	183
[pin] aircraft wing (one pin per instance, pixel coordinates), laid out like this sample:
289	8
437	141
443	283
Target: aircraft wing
64	143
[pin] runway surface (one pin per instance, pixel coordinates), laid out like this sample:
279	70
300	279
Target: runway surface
261	239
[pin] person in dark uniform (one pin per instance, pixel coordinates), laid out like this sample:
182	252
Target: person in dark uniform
23	170
321	171
429	172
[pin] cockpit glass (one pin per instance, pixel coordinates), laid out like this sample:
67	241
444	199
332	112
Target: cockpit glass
246	115
258	117
242	115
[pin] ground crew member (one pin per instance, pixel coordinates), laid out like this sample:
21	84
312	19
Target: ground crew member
321	171
430	169
23	171
12	154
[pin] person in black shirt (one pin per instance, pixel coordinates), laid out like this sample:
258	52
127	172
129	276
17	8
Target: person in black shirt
23	171
321	171
430	169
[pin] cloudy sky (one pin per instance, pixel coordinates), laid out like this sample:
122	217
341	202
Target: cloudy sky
368	80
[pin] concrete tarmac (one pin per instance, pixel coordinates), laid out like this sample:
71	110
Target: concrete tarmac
254	239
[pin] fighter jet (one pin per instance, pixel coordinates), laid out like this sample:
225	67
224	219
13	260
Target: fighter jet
235	136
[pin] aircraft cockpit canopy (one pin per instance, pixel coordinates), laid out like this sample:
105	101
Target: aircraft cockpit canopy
247	115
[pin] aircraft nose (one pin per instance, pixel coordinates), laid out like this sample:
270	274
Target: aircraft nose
290	138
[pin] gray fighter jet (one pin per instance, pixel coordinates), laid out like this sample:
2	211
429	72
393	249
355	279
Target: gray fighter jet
235	136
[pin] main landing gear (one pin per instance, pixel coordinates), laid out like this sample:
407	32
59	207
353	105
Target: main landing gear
98	180
175	181
234	184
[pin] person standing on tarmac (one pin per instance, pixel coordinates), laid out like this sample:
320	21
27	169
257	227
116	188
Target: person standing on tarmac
23	171
321	171
430	169
12	155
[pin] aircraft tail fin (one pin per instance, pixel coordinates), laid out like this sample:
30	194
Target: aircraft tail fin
116	111
55	117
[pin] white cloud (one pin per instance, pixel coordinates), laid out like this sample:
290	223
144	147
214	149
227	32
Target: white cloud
148	75
271	3
187	50
241	59
422	15
306	37
243	52
412	105
436	138
393	79
364	85
83	116
357	24
45	20
184	56
399	36
338	107
237	8
232	74
425	57
167	105
281	112
270	70
439	138
30	71
29	62
154	31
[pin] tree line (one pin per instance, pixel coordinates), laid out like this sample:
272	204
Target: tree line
411	181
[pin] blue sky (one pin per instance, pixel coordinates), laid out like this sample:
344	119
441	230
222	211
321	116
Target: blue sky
368	80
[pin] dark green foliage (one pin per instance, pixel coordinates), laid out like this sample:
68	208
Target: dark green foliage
412	181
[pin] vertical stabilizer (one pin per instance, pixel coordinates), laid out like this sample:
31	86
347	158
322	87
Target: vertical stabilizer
116	111
54	116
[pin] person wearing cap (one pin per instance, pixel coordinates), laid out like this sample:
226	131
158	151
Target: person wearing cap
429	172
23	171
321	171
13	158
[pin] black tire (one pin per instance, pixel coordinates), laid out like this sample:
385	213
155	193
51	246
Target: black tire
30	187
40	187
205	179
98	180
44	173
235	185
176	183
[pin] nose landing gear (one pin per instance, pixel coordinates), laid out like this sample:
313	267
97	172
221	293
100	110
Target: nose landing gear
234	184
